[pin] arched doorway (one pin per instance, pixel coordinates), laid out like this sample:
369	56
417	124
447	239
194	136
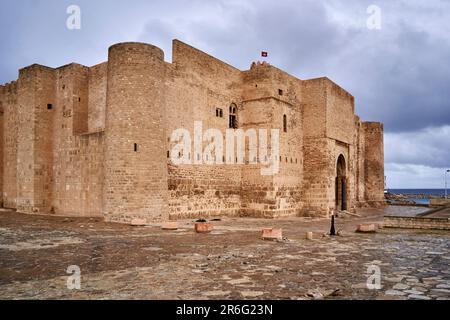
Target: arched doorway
341	184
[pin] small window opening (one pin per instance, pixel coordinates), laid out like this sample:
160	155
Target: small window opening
232	122
284	123
135	147
49	106
168	154
280	92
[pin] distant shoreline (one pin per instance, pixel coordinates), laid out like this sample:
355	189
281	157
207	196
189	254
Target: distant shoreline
413	196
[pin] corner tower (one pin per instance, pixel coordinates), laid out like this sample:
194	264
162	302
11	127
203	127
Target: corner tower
135	183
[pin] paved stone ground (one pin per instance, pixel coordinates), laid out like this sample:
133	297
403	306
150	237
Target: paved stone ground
124	262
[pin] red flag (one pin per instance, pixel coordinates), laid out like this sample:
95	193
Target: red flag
264	54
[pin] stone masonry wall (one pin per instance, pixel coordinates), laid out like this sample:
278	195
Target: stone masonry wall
135	184
96	141
374	163
10	136
198	84
269	95
35	163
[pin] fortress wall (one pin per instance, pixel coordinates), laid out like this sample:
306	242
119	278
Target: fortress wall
314	99
319	176
269	94
318	151
36	90
340	123
79	157
97	97
360	173
135	184
258	191
92	175
374	163
80	98
70	121
10	137
341	127
198	84
328	115
347	150
1	143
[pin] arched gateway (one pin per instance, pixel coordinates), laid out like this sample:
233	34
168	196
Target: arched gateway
341	184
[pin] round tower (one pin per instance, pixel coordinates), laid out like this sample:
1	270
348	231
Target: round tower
135	184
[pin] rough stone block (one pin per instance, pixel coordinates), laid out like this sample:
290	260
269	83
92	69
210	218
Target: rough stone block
272	234
203	227
367	228
172	225
136	222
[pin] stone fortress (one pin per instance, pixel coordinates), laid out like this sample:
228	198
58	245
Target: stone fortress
95	141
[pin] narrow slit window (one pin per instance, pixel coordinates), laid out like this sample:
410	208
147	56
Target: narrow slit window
135	147
232	122
284	123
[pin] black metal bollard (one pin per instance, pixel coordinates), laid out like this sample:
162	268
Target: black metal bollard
332	230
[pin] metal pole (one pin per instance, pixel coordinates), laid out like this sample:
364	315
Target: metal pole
446	183
332	229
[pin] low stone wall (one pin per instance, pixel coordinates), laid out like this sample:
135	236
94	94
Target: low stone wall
439	202
417	223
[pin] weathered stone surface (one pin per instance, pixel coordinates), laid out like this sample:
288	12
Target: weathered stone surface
366	228
138	222
418	297
203	227
272	234
400	286
172	225
395	293
96	141
122	262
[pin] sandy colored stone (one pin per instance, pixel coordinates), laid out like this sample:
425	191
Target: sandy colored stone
96	141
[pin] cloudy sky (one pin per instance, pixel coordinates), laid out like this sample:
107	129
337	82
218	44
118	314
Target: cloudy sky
399	74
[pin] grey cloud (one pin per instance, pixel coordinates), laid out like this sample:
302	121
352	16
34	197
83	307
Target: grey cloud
429	146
